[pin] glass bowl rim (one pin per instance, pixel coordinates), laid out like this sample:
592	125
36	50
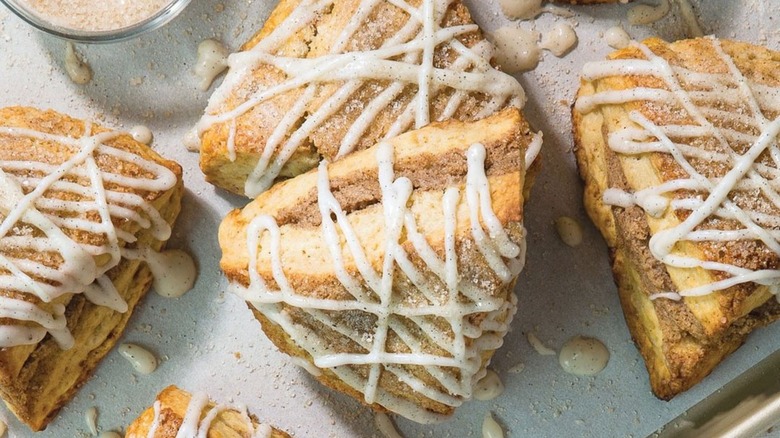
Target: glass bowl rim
156	20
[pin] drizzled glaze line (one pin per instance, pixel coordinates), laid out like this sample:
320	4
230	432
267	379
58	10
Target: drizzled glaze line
156	408
712	196
464	342
28	203
406	58
193	426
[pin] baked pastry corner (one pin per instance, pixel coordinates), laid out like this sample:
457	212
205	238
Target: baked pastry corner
648	124
175	409
76	198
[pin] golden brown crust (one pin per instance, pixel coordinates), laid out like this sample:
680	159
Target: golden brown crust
392	385
37	380
681	341
675	360
255	127
426	157
505	131
174	402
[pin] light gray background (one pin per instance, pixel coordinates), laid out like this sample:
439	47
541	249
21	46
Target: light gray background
207	340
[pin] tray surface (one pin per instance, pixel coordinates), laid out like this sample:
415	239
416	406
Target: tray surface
207	340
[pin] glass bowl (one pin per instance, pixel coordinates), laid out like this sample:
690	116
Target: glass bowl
157	19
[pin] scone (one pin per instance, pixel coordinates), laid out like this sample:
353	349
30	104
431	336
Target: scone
324	78
677	145
179	413
389	274
81	207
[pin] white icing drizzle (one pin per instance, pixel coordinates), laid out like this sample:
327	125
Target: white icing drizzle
385	426
404	59
517	48
617	38
689	17
173	270
212	60
29	201
489	387
90	417
491	428
559	40
521	9
529	9
464	342
103	293
517	368
644	14
193	426
306	365
191	140
497	245
539	345
191	422
156	408
569	230
711	196
78	71
142	360
534	148
583	356
141	134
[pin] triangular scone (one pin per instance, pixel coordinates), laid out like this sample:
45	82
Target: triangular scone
388	274
677	144
76	201
323	78
176	412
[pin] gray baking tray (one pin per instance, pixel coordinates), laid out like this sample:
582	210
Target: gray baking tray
207	339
